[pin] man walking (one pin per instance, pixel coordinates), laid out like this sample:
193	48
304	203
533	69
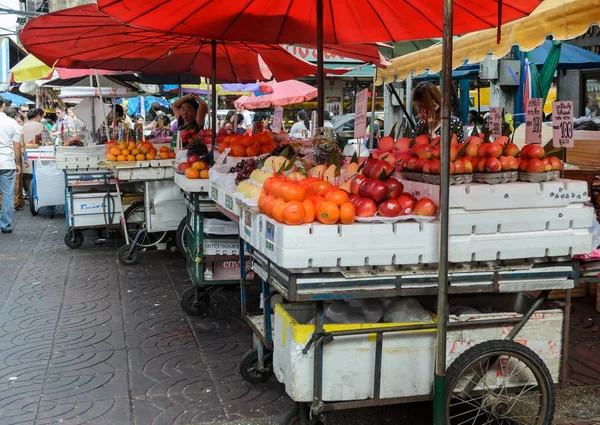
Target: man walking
9	151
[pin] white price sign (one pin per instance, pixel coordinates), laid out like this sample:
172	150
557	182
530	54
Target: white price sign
562	124
360	116
495	121
533	121
277	119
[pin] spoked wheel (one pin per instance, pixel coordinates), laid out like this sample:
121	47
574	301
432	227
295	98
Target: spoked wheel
500	382
195	306
181	237
249	368
33	205
128	256
293	417
74	239
135	217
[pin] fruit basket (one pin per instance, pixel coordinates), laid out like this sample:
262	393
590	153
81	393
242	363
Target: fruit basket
455	179
413	176
496	178
546	176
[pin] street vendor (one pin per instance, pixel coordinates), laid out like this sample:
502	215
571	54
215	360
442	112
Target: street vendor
428	100
190	112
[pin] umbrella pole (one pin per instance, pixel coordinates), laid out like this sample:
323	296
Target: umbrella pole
213	94
320	66
439	386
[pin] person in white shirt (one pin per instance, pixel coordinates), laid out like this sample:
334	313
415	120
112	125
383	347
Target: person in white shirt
10	138
326	118
301	129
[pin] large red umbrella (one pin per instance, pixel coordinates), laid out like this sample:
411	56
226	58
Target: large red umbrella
83	37
293	21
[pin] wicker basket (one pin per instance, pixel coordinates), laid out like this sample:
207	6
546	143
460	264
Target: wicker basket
546	176
496	178
413	176
454	179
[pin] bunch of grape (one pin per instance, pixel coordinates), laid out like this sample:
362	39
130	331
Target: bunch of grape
280	149
199	149
243	169
76	143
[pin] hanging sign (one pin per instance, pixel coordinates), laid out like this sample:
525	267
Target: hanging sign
495	121
277	118
562	124
360	114
533	121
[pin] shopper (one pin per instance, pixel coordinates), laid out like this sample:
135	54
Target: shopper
78	125
301	129
9	151
191	112
30	130
63	124
227	123
428	100
163	127
326	119
19	199
23	111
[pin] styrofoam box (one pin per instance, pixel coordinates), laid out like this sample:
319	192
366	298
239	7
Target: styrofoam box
224	198
89	208
71	157
192	185
405	243
249	226
477	197
145	173
221	246
408	359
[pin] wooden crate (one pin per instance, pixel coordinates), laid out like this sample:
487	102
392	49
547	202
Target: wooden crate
586	150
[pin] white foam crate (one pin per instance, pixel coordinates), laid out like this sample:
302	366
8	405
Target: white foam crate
221	246
408	361
192	185
573	216
478	197
85	157
249	226
144	173
224	198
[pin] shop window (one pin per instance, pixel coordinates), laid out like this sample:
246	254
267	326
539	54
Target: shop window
591	96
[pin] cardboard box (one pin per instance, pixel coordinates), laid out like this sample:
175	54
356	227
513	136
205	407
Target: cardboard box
586	150
230	270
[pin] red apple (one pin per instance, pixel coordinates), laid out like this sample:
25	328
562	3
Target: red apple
453	153
503	140
535	165
363	189
494	150
492	165
556	163
425	207
386	144
547	164
202	133
407	203
513	164
423	139
482	150
434	166
436	152
424	151
523	165
426	169
356	182
193	158
511	150
536	151
389	208
468	166
504	163
222	132
395	187
480	167
369	166
525	151
459	166
354	200
403	144
382	170
366	208
419	164
183	166
377	191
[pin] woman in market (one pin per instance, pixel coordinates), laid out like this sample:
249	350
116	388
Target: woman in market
19	199
191	112
163	127
30	130
301	128
428	100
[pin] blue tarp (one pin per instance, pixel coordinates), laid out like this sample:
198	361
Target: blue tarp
134	104
15	98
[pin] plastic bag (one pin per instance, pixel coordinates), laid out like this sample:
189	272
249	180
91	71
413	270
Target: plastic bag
49	184
406	310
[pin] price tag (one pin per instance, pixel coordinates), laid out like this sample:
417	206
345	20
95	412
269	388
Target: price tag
533	121
277	119
495	121
360	116
562	124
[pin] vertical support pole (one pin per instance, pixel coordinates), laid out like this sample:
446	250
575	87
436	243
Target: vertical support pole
373	88
564	369
439	387
213	93
243	276
409	90
320	66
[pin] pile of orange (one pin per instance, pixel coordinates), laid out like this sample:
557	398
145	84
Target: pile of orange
295	202
246	146
145	151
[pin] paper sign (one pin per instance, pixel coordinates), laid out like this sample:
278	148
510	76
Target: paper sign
533	121
277	118
360	114
495	121
562	124
313	124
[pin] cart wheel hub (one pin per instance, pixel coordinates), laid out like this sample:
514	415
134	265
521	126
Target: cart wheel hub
500	410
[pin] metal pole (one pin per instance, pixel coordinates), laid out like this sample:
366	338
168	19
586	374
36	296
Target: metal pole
102	102
372	132
409	90
439	386
320	67
214	95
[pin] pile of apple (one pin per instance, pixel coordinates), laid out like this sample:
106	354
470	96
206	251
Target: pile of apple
535	160
193	168
374	191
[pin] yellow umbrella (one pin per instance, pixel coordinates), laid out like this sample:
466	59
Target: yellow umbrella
563	19
30	68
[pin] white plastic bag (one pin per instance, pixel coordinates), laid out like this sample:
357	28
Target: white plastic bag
49	184
404	310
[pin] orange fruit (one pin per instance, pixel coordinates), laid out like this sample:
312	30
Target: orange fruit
320	185
131	146
280	190
125	152
172	155
164	155
347	213
199	165
150	156
227	139
294	213
190	173
122	145
130	157
253	150
140	157
265	149
338	197
236	140
328	213
278	210
111	157
264	139
222	147
294	193
269	204
135	151
121	158
204	174
144	150
237	150
269	183
309	209
164	149
115	151
261	201
247	141
316	200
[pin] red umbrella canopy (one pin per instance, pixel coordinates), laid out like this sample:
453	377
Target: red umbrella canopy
83	37
293	21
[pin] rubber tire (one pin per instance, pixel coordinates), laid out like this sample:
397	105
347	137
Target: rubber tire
292	417
502	346
134	205
250	361
192	309
126	258
74	239
180	237
34	211
52	212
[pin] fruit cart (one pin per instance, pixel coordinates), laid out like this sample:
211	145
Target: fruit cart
146	224
210	244
46	182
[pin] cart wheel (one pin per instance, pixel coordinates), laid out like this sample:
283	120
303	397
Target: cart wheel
74	239
180	237
135	217
52	212
193	306
128	258
32	206
249	367
521	391
293	417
